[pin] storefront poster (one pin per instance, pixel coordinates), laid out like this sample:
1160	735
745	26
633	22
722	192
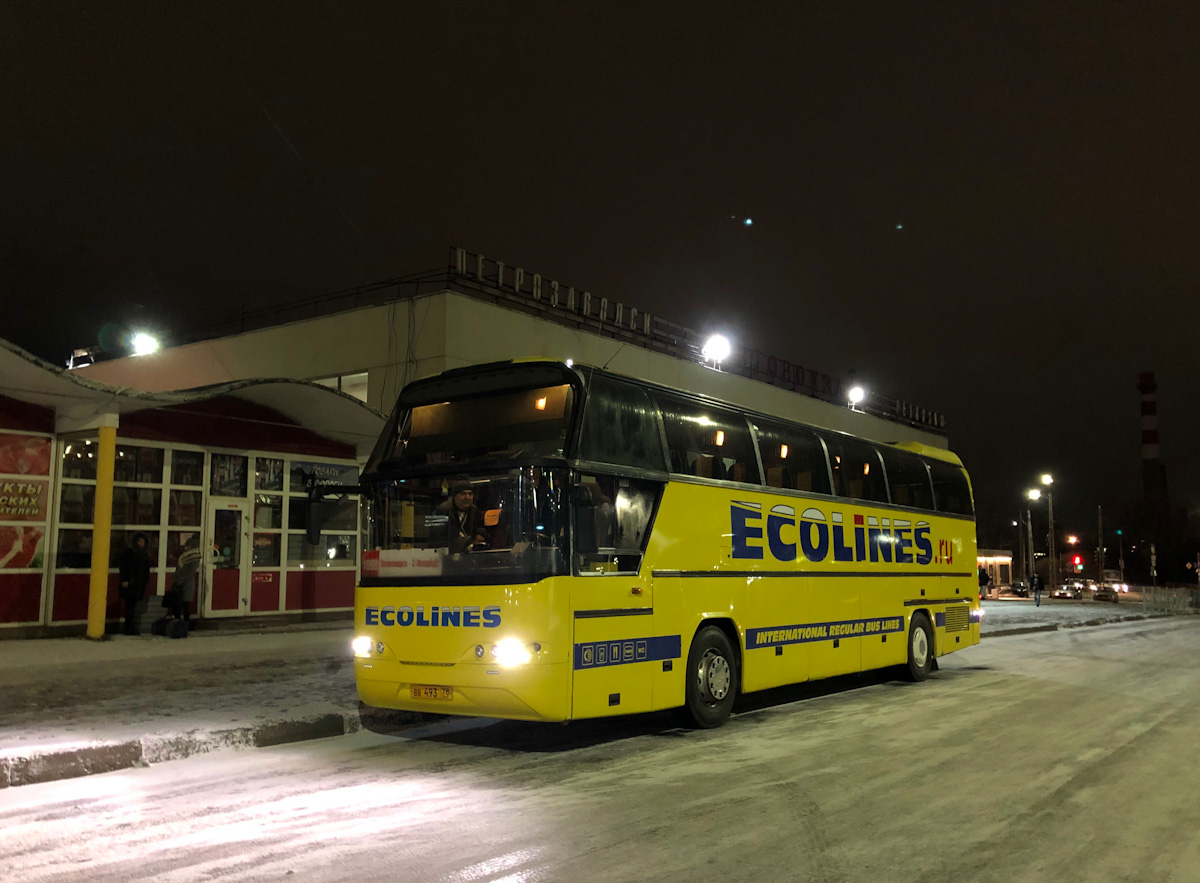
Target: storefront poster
21	546
23	499
24	454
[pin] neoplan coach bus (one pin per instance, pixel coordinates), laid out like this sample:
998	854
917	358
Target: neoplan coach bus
547	542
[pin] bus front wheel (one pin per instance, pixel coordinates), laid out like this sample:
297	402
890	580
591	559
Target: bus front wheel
920	648
711	679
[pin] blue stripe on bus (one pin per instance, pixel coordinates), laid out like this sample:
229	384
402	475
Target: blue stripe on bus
810	632
597	654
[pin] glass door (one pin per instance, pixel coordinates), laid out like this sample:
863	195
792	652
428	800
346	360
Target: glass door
228	565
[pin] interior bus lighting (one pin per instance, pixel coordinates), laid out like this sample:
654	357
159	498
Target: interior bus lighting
361	646
720	437
783	452
540	404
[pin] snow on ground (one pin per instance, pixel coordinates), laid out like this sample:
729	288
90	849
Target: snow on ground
69	689
1022	613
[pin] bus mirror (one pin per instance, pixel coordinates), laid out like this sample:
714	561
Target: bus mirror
313	521
585	521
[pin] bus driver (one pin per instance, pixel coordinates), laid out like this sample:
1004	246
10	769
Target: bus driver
464	525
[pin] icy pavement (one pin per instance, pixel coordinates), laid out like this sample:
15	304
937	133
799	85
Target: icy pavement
146	699
73	707
1000	617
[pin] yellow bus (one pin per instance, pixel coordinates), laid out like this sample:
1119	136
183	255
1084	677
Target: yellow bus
552	542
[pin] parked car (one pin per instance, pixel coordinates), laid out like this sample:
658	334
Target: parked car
1106	592
1019	589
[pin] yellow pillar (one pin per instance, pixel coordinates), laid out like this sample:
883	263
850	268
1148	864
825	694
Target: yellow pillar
101	531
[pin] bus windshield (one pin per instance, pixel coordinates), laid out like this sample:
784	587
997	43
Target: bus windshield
526	423
503	527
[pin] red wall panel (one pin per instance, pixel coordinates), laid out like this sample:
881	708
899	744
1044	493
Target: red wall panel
20	597
320	589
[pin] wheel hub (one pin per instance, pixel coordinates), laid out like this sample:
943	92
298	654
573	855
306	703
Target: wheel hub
715	677
920	647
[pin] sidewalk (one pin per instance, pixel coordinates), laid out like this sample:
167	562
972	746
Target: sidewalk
73	707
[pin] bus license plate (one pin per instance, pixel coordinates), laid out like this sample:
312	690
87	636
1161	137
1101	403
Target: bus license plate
426	691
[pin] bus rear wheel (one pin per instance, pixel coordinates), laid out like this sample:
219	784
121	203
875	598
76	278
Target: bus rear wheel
711	679
920	648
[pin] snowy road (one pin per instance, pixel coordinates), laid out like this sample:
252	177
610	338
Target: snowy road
1064	756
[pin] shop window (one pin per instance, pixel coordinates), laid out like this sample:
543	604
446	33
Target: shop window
74	548
268	474
79	459
268	511
75	503
177	541
120	540
228	475
335	514
266	551
136	464
184	508
187	468
133	505
340	549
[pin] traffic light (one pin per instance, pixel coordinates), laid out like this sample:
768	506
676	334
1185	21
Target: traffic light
1077	560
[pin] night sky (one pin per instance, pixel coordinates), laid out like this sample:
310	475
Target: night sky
990	210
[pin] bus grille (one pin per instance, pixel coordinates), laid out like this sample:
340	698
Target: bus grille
957	618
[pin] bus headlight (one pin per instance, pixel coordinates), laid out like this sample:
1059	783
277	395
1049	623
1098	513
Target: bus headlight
361	646
511	652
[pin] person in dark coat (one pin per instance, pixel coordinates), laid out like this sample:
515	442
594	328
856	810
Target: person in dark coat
134	567
464	525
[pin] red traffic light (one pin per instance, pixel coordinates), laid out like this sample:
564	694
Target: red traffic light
1078	559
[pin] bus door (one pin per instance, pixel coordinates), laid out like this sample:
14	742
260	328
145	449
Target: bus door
227	564
613	614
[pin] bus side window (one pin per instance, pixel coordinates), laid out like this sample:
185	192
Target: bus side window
857	470
619	426
792	457
908	479
708	442
951	492
623	511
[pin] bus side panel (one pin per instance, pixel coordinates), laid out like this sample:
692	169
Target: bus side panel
775	653
667	675
833	602
616	646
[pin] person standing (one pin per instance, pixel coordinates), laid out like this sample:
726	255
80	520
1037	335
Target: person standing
1037	590
134	567
984	579
183	585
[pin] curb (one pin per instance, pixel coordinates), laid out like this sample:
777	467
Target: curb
34	768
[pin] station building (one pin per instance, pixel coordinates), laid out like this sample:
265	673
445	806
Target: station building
232	451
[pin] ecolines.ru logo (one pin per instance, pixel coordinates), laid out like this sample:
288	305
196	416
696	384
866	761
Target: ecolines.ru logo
817	538
471	617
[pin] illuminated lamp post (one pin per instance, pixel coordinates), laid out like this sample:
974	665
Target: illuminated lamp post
1048	480
855	395
716	350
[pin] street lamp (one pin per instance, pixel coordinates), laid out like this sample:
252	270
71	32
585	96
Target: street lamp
1048	480
855	395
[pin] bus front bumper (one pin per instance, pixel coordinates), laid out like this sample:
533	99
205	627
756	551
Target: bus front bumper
538	691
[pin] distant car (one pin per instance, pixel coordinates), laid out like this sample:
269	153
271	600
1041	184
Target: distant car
1106	592
1019	589
1069	590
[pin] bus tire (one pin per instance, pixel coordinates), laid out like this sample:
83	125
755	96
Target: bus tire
711	679
920	648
